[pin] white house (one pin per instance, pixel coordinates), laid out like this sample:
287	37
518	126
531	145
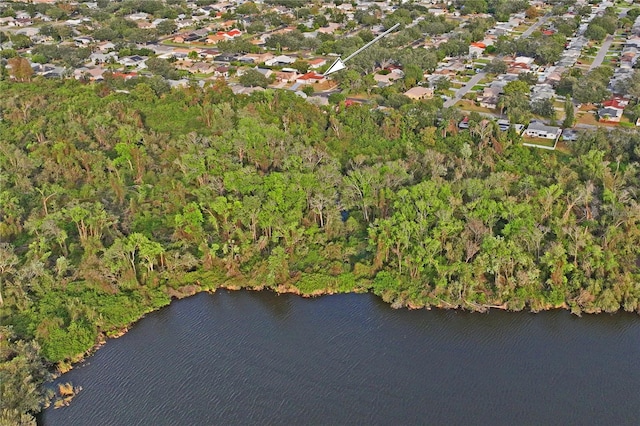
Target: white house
280	60
476	50
137	16
610	114
133	61
539	130
316	63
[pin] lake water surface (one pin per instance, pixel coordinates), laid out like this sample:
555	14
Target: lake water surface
261	358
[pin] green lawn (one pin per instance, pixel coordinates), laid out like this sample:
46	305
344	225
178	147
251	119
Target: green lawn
539	141
470	106
168	42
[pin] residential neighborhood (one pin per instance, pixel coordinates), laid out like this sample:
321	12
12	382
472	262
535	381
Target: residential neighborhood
525	62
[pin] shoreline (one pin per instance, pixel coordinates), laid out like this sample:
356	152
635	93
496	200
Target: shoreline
195	288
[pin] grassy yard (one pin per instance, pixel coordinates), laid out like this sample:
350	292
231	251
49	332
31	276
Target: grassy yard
590	119
195	45
470	106
326	85
563	147
587	118
539	141
625	121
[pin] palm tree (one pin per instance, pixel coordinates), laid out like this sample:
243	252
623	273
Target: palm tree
502	103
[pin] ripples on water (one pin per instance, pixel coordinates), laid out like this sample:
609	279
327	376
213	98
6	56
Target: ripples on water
259	358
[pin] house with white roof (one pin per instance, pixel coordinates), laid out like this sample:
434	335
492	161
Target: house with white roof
279	60
140	16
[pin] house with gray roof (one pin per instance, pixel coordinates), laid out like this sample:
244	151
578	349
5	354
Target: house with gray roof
542	91
610	114
537	129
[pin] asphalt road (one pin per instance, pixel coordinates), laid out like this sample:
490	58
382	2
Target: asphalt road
602	52
463	90
534	27
476	78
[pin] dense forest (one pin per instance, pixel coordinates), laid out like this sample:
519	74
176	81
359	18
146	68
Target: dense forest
112	202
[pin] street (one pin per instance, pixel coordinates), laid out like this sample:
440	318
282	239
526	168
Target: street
463	90
476	78
602	52
534	27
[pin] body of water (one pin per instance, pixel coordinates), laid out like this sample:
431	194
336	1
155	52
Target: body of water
261	358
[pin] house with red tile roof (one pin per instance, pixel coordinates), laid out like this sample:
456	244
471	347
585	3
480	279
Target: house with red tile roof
310	78
228	35
124	75
476	49
616	102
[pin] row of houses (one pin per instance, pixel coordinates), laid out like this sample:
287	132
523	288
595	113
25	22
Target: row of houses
204	36
522	64
548	77
628	59
535	129
613	108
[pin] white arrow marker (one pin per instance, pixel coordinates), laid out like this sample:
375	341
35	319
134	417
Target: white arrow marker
336	66
339	63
